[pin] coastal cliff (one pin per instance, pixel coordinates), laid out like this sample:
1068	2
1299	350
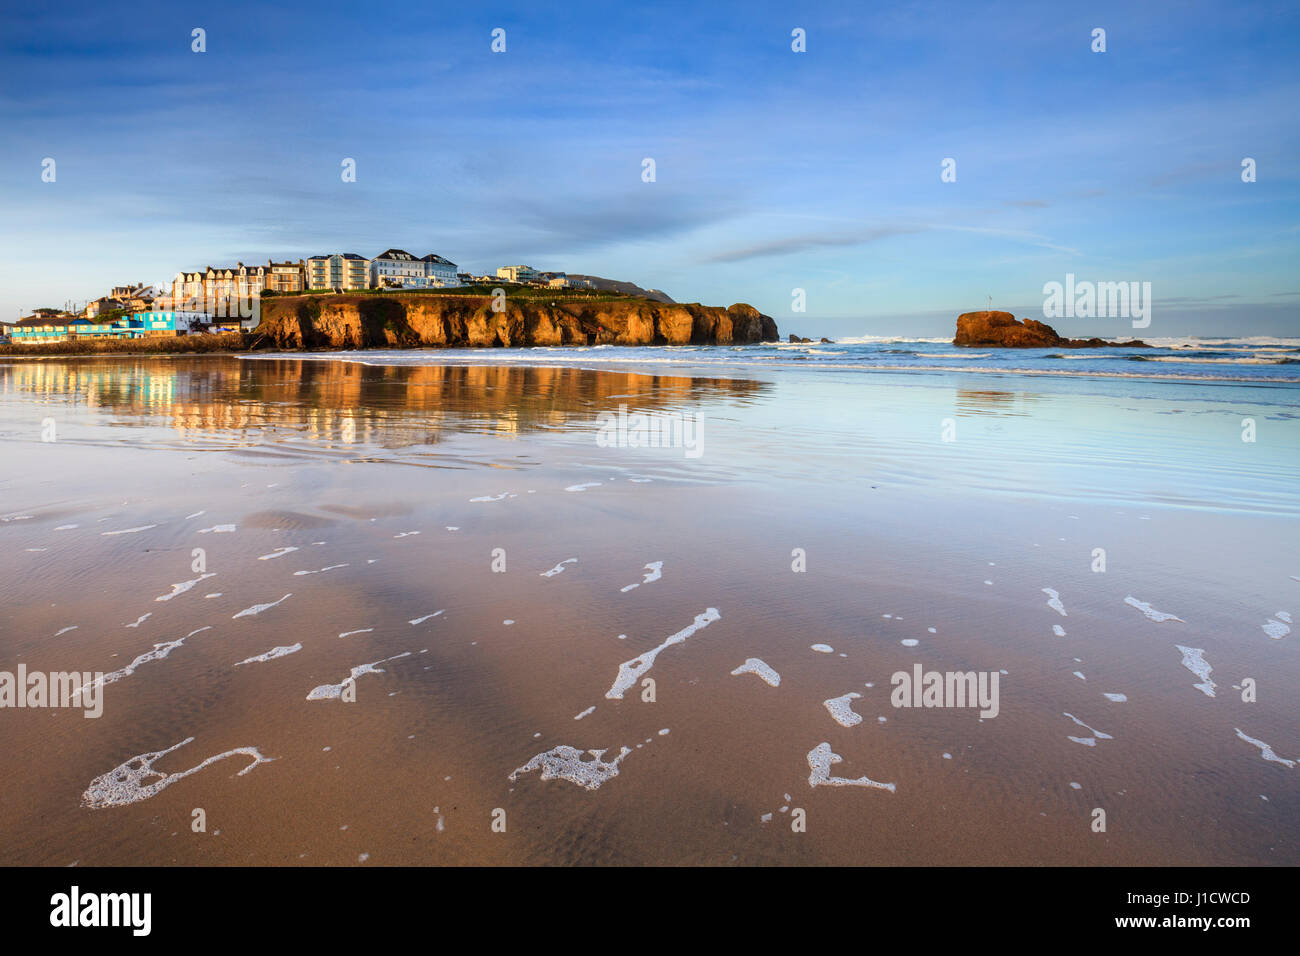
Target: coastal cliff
465	321
1001	330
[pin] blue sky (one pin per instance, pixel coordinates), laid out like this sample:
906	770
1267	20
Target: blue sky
775	170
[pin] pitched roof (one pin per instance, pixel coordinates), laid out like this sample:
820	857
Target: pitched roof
395	254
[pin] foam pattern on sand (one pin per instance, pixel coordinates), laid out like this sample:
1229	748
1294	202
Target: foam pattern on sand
1088	741
754	665
630	671
335	691
1195	663
124	783
820	760
567	763
1054	601
653	572
558	569
1151	613
277	553
183	586
272	654
1278	626
1265	750
159	652
259	608
842	710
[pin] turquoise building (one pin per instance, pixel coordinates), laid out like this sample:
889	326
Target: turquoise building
138	326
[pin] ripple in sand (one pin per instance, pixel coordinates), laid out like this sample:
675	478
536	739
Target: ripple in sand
1195	663
1265	750
124	783
842	711
500	497
630	671
653	572
272	654
259	608
218	529
584	486
421	620
335	691
143	527
363	630
754	665
820	761
590	710
1151	613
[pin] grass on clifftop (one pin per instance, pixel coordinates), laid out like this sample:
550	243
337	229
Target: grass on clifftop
513	291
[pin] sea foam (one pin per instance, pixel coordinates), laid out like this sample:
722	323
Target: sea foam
820	760
124	783
754	665
630	671
567	763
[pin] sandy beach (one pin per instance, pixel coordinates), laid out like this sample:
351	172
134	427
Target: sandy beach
451	545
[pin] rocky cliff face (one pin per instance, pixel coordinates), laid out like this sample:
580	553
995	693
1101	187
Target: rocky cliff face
452	321
1001	330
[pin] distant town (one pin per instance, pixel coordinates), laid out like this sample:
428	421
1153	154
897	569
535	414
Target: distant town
215	300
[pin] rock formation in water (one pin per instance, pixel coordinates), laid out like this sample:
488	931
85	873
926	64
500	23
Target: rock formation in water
458	321
1001	330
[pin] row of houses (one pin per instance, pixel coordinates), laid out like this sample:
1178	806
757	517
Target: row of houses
341	271
527	275
220	297
42	329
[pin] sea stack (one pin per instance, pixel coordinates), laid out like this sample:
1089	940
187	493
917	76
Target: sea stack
993	329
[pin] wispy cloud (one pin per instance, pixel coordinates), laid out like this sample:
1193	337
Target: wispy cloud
795	244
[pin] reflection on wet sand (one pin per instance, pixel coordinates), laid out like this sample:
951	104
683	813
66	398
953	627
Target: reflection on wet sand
388	406
977	401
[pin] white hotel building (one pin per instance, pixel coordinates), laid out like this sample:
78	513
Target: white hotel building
397	268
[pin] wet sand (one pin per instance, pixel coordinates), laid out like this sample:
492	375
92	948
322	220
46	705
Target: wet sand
372	473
